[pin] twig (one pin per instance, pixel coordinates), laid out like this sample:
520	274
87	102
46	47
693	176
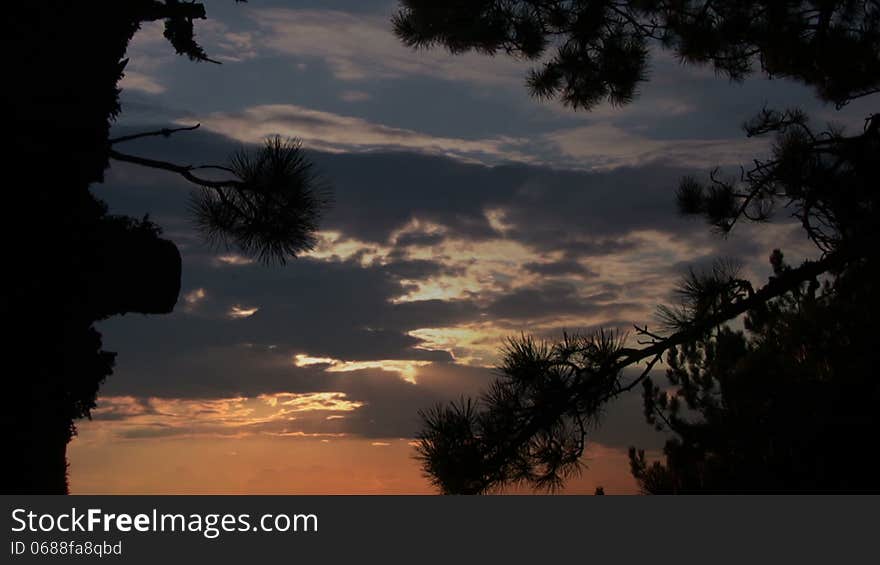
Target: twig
184	170
165	132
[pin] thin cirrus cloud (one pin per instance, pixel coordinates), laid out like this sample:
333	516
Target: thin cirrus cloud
606	146
359	47
135	80
600	145
326	131
355	96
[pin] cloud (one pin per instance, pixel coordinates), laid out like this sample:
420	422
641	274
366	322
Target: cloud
598	146
603	145
134	80
420	269
150	54
425	266
238	312
370	399
355	96
276	414
361	47
419	239
464	214
225	45
558	268
406	369
234	259
326	131
373	407
551	299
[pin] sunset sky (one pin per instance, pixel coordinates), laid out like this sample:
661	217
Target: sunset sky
465	212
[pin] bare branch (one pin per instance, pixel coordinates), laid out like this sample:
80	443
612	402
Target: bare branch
164	132
183	170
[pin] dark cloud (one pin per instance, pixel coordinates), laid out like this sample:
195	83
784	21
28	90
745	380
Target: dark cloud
390	409
559	268
434	313
324	309
592	214
383	192
580	245
550	299
417	239
377	194
390	404
345	309
418	269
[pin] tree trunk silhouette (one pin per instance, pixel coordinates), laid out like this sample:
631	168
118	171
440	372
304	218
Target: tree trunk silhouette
67	262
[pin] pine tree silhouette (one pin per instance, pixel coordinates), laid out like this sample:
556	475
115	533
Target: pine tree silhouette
531	426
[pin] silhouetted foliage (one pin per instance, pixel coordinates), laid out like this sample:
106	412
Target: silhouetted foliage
827	180
269	206
68	262
273	210
599	49
789	404
739	399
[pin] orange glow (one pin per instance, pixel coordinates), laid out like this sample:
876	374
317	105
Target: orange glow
281	465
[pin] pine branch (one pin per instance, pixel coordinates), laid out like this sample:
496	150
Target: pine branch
507	450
